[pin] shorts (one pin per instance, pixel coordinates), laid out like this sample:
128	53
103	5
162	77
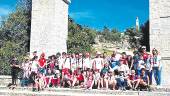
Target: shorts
81	81
97	77
55	81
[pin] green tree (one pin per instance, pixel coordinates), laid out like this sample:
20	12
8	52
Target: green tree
15	35
115	35
106	34
80	38
110	36
133	37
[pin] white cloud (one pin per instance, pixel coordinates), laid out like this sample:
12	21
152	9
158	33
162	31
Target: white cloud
80	15
4	11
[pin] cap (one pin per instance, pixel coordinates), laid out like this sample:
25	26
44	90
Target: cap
143	47
80	54
57	71
98	53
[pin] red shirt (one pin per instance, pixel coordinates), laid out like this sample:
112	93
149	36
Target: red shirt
75	72
132	77
80	77
42	62
145	56
124	60
52	65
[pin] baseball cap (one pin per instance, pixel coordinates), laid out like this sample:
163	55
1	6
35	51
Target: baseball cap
143	47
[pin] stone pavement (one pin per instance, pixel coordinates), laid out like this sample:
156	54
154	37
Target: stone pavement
20	91
27	91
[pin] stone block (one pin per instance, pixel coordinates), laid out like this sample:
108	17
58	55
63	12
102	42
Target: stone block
49	26
160	34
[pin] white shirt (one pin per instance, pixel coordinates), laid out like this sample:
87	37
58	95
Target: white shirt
67	63
80	63
73	62
98	62
34	66
124	68
140	64
156	61
118	56
26	66
61	62
87	63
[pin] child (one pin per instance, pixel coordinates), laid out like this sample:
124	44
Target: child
85	74
73	62
40	82
104	75
90	80
113	62
122	77
97	78
112	80
52	63
66	65
144	79
42	63
68	78
121	80
56	79
87	62
79	79
124	58
98	62
31	81
149	65
132	80
34	64
26	68
141	64
48	78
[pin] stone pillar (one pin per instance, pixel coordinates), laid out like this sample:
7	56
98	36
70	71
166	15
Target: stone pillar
49	26
160	34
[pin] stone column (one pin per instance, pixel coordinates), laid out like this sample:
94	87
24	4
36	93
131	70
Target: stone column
160	34
49	26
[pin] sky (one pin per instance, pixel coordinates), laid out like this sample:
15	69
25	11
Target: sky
6	7
96	14
119	14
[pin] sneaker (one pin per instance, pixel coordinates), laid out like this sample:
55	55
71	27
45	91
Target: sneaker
124	89
34	89
134	89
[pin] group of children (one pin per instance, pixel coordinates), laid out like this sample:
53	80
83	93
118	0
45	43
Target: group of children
115	72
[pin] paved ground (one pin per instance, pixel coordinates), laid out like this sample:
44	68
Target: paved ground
20	91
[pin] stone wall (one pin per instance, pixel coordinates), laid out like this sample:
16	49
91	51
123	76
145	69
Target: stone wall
160	34
49	26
